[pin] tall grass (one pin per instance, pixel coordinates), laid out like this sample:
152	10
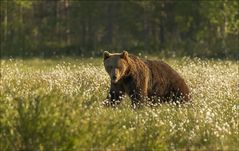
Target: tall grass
56	105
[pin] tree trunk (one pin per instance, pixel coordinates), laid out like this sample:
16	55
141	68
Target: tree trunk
5	35
109	34
223	31
6	22
66	29
162	15
146	28
90	33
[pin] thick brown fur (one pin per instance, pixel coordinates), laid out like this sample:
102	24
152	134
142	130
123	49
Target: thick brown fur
144	81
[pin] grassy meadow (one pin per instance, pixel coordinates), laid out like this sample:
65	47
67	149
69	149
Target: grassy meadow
55	104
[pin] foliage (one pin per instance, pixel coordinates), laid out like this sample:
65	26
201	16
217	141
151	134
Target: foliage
70	27
55	105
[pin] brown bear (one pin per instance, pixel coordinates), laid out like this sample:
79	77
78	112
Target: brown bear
142	80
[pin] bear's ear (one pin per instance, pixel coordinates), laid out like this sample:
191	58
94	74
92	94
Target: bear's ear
124	54
106	55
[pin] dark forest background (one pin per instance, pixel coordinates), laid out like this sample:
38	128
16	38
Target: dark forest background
46	28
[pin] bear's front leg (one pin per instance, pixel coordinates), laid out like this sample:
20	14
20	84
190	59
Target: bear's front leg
138	93
115	96
137	98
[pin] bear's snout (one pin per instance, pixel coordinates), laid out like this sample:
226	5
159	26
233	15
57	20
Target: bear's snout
114	79
115	75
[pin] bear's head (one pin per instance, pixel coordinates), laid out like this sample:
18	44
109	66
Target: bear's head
116	65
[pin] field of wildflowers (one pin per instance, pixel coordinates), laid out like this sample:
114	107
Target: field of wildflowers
56	105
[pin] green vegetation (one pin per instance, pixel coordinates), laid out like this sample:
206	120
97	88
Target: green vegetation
55	105
75	27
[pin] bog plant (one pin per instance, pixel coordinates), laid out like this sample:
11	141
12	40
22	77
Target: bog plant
56	105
